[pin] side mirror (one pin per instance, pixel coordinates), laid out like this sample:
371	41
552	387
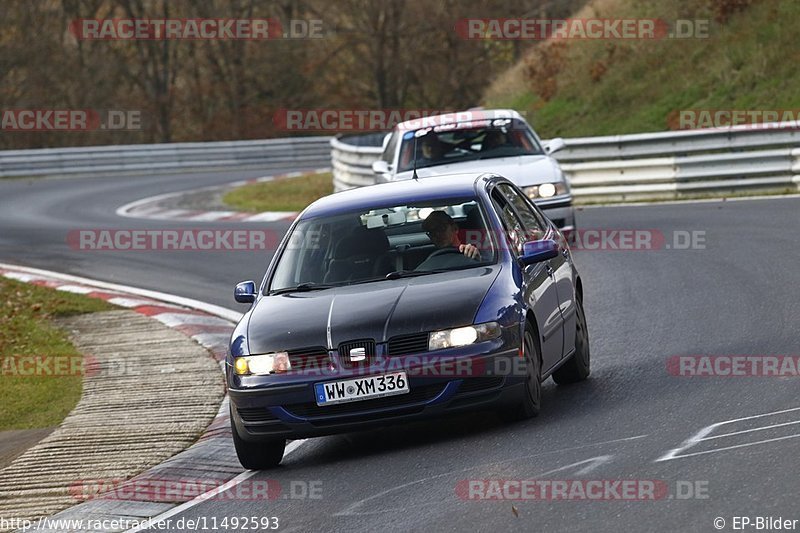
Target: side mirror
245	292
555	145
380	167
537	251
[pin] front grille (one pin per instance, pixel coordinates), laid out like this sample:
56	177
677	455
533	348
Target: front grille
314	358
256	414
368	347
419	394
479	384
408	344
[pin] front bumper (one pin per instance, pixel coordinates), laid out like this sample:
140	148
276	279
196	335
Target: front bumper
289	411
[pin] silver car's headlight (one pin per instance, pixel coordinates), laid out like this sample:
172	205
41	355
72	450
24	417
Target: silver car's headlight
452	338
262	365
546	190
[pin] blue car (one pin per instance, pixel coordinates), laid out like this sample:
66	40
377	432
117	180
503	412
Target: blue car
403	301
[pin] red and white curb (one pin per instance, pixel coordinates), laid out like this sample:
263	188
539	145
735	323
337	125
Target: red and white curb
212	458
211	326
153	206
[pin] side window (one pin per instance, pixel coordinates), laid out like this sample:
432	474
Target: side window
511	223
391	148
535	227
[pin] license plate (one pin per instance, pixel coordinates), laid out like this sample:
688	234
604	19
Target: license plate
353	390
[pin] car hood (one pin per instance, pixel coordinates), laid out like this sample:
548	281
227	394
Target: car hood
378	310
523	170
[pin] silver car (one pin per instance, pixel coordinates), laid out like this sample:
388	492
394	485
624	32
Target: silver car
498	141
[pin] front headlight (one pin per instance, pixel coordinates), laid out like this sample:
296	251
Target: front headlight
546	190
262	365
452	338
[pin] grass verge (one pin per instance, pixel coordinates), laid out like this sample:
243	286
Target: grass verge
27	329
289	194
607	87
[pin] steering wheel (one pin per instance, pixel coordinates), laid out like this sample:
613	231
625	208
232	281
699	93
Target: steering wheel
445	251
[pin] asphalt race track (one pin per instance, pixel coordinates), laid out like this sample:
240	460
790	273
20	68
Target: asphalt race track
739	295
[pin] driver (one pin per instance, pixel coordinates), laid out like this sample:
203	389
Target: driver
431	147
443	232
494	139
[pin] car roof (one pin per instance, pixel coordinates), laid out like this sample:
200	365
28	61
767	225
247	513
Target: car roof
397	193
459	116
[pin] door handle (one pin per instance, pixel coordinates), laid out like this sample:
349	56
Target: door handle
549	270
565	253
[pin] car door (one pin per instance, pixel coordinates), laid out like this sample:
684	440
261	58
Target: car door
532	217
539	288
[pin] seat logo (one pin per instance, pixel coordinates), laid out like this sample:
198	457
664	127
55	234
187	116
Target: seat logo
358	354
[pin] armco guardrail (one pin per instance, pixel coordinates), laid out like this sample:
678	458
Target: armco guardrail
646	165
163	158
352	165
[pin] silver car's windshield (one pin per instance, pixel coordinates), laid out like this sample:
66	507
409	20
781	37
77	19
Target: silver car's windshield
385	243
467	141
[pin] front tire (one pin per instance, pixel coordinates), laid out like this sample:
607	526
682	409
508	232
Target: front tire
532	400
577	368
257	455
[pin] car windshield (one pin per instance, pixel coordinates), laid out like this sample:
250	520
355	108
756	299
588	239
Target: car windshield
386	243
467	141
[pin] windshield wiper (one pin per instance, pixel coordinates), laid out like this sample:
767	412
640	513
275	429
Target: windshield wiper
397	274
303	287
